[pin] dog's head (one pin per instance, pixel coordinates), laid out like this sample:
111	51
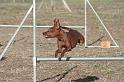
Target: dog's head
54	31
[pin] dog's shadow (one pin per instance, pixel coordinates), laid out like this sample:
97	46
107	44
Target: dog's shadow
62	75
86	79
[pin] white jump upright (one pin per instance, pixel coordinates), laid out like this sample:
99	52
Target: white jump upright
116	45
14	35
34	41
87	1
35	58
85	21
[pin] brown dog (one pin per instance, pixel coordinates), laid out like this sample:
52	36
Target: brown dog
67	38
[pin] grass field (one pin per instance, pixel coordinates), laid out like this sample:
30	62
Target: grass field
17	65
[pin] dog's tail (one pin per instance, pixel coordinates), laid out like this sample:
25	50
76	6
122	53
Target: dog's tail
81	40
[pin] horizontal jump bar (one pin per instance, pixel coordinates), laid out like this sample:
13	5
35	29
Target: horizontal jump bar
82	59
14	26
100	46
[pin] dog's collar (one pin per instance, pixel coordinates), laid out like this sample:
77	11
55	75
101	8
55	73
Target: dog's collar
62	38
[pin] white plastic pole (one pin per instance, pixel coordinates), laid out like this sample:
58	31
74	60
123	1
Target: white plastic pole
34	29
34	68
14	1
30	26
66	6
52	5
100	46
34	41
83	59
14	35
85	24
40	5
102	23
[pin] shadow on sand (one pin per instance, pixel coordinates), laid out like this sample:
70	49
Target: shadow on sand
86	79
62	75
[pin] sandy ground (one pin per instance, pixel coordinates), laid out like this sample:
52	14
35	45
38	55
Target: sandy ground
17	66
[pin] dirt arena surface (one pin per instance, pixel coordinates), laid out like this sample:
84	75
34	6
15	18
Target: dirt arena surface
17	65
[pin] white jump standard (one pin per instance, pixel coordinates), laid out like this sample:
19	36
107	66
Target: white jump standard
35	59
14	35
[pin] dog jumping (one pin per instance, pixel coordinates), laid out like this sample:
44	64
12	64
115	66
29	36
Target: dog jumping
67	38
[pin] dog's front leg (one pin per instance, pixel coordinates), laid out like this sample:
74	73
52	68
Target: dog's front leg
57	52
63	52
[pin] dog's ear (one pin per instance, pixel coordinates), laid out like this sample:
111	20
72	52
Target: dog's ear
54	23
58	24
